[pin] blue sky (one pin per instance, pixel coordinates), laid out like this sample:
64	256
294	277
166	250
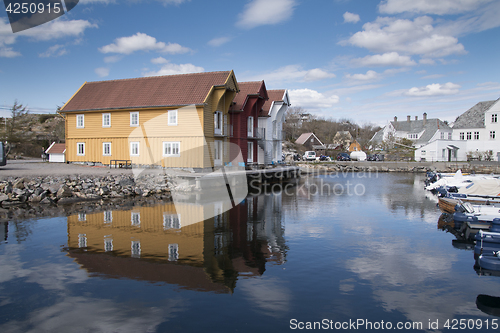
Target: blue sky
365	60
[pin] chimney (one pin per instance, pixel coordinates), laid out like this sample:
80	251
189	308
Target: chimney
416	117
408	118
425	118
395	119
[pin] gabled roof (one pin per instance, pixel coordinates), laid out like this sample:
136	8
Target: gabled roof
304	137
56	148
274	96
416	127
155	91
474	117
252	88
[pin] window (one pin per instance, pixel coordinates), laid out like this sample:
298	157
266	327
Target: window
250	152
106	148
134	149
449	136
108	216
171	149
108	244
218	122
135	219
250	127
442	135
469	135
494	118
462	136
82	217
80	121
134	119
217	152
106	120
80	148
172	118
171	221
135	249
476	135
82	240
422	152
492	134
173	252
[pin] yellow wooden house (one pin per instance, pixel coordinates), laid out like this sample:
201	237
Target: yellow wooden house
171	121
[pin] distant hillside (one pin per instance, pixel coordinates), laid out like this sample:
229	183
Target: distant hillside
29	134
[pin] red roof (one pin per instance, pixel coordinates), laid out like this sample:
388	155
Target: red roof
168	90
246	88
56	148
274	96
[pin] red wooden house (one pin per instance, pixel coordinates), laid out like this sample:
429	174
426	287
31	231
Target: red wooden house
243	117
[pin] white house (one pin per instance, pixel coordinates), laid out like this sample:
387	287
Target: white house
57	152
474	132
421	132
271	123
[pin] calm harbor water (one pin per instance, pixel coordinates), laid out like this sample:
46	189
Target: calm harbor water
338	250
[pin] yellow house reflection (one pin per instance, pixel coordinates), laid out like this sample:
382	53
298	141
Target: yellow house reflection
165	243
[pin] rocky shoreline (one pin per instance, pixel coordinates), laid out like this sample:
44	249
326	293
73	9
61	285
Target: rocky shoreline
23	197
308	168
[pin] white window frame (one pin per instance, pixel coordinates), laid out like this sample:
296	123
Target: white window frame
494	118
80	121
476	135
169	149
442	135
171	221
218	122
132	123
108	216
492	135
106	120
250	127
173	252
462	135
132	144
104	144
78	145
135	219
250	148
172	115
469	135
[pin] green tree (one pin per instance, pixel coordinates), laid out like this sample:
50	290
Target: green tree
15	125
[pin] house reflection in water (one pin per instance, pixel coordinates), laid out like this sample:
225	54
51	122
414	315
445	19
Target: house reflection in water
161	243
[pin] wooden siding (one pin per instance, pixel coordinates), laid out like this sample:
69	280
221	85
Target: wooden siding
153	236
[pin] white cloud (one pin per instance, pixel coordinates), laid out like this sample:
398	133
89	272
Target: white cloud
426	62
386	35
434	89
311	99
218	41
170	69
440	7
112	59
294	73
386	59
265	12
159	60
51	30
142	42
351	18
369	76
54	51
58	29
102	71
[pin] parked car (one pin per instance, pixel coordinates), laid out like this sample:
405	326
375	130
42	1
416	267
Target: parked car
375	157
343	157
324	158
309	156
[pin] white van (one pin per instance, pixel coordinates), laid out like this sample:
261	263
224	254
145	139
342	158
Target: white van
309	156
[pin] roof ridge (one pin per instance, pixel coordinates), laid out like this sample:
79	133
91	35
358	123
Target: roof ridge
159	76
